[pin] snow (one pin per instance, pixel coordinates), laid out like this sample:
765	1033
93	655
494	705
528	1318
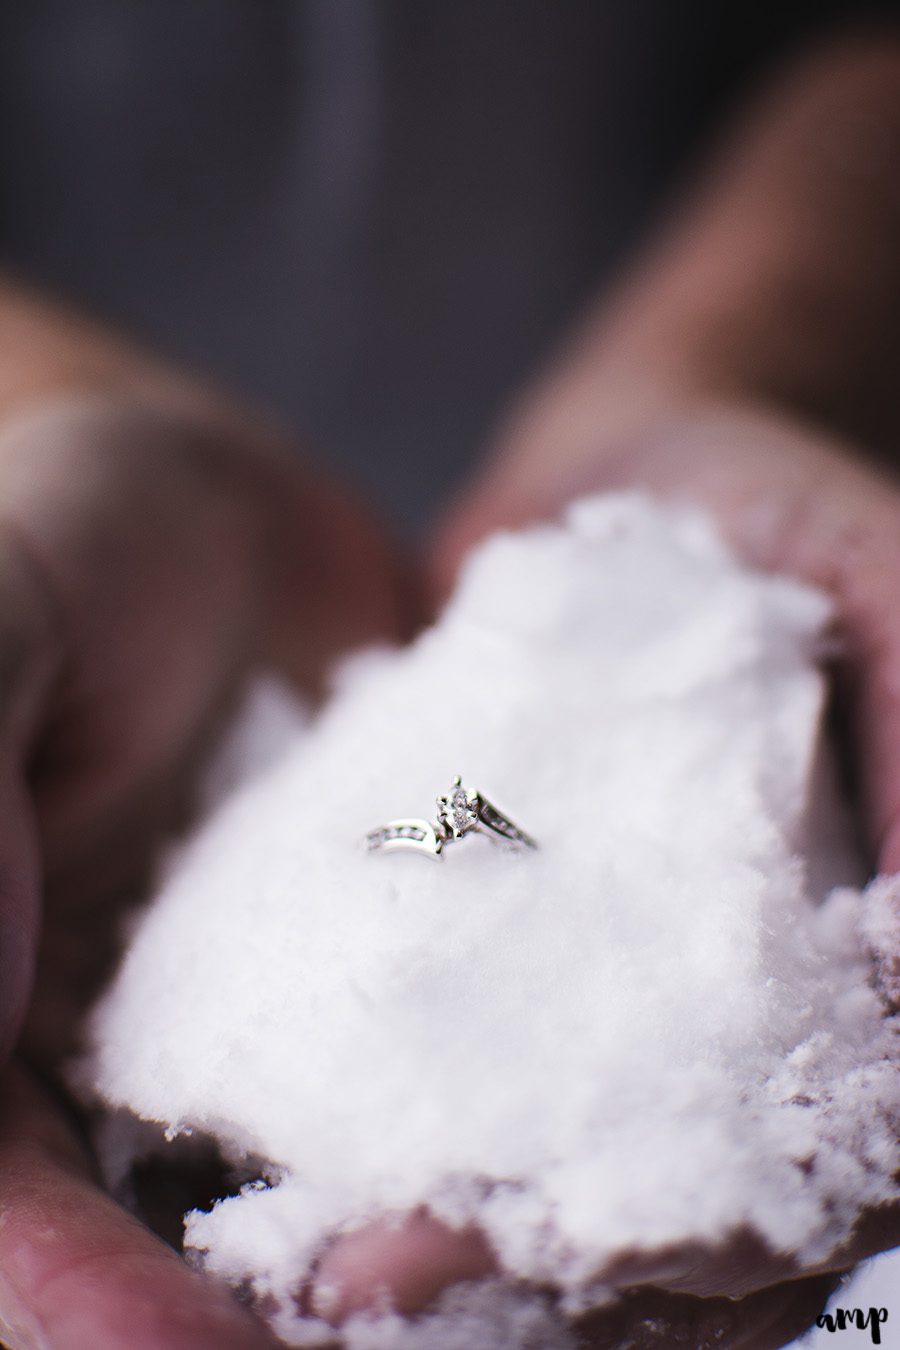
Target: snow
659	1027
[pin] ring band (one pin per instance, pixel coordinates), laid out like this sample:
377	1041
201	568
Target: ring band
462	811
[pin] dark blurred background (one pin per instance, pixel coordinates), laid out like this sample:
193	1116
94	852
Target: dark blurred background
375	215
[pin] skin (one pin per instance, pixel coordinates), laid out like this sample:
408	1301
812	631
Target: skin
156	543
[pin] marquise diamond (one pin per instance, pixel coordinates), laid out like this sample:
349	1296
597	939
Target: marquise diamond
458	810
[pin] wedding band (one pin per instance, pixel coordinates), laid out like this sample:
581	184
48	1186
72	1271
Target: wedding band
462	811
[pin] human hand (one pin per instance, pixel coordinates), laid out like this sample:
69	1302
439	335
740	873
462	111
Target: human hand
743	367
154	546
790	501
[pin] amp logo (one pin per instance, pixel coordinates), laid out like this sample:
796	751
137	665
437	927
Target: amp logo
845	1319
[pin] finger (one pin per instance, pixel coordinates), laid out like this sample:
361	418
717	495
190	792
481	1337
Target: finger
412	1261
77	1272
778	278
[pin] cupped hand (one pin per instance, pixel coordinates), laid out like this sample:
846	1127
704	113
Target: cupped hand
788	500
151	553
746	365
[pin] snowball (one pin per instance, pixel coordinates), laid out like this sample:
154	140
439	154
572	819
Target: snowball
654	1029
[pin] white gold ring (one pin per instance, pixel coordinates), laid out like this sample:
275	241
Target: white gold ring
463	811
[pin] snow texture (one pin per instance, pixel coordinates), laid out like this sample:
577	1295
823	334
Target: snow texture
660	1026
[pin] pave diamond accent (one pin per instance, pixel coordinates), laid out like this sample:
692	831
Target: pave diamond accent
419	835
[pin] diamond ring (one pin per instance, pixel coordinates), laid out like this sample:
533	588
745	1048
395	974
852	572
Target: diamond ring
462	811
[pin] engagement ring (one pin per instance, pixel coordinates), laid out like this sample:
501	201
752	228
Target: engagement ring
463	811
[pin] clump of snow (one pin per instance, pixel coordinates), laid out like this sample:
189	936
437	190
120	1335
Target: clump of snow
653	1029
